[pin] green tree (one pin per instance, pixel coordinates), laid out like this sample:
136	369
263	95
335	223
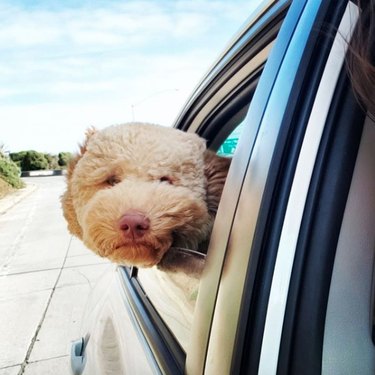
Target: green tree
18	157
34	161
64	158
52	161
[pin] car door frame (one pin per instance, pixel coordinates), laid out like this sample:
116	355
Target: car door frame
244	242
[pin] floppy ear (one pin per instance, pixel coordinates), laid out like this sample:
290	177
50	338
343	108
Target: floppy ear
67	199
216	170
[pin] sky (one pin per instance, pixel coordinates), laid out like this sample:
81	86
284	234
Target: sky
66	65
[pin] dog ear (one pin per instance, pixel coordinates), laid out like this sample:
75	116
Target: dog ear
70	214
66	199
215	169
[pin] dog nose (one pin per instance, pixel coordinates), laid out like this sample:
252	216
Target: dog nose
134	225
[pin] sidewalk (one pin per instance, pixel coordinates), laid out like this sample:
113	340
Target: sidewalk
13	198
45	280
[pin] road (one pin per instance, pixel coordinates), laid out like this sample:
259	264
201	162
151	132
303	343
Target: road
45	279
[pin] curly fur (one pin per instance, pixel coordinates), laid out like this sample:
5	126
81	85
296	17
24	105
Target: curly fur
122	168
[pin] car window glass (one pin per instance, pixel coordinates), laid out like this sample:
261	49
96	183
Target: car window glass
230	144
173	289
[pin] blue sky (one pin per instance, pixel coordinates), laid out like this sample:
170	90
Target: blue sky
68	65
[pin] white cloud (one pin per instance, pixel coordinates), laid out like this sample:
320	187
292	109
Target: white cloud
108	23
60	127
65	67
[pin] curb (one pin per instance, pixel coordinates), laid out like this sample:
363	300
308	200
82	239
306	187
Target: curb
13	198
41	173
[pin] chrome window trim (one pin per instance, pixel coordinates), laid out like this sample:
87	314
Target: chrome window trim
293	217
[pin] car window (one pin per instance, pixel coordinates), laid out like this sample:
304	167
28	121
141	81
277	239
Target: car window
230	144
173	294
173	287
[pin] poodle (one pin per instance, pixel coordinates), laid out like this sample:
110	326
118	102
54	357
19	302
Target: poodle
134	190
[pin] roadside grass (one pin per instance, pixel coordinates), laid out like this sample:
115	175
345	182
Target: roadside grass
9	176
5	188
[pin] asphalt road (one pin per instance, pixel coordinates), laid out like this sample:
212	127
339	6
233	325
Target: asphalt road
45	280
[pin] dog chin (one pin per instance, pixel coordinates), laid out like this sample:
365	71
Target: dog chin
136	255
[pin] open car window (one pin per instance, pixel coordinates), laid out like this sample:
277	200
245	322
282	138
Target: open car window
172	287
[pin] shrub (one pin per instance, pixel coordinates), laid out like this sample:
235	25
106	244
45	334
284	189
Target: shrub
30	160
53	162
10	172
17	157
5	188
33	160
64	158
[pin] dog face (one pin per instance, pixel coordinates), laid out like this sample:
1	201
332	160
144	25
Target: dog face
136	189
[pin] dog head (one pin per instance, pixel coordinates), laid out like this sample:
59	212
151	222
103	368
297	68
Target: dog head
136	189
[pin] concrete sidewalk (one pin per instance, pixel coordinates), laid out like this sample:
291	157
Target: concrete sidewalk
45	279
13	198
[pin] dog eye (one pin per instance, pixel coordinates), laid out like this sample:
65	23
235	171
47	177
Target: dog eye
113	180
166	179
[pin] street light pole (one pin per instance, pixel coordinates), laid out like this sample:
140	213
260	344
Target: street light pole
133	115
